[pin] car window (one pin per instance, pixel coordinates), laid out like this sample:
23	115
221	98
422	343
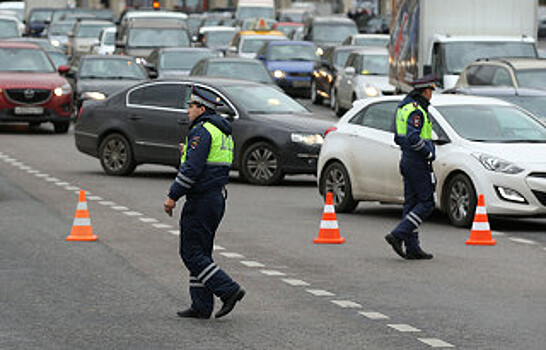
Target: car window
480	75
377	116
185	97
501	77
159	95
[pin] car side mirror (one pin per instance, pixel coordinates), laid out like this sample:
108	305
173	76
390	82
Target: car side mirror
350	71
70	34
439	140
225	112
232	49
427	69
120	44
261	57
63	69
153	74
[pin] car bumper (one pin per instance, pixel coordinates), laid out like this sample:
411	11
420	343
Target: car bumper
301	159
295	83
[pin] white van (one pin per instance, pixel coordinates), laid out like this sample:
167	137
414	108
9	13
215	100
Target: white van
255	9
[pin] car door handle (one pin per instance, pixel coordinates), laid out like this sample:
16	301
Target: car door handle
134	117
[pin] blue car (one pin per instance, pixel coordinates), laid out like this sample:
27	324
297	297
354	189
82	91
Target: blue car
291	64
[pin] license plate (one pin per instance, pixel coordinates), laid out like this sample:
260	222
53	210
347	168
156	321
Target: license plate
301	84
28	110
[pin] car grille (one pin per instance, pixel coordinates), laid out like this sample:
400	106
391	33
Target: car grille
28	96
541	196
300	74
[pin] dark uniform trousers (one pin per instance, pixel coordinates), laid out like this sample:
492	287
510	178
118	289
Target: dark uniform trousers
200	218
419	187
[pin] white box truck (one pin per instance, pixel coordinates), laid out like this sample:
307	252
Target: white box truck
255	9
443	36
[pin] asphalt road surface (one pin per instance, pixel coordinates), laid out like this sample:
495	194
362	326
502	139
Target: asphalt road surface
122	291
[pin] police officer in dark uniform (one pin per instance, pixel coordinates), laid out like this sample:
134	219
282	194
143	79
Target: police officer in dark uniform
206	161
413	135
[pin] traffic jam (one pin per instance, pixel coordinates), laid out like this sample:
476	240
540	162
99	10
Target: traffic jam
406	118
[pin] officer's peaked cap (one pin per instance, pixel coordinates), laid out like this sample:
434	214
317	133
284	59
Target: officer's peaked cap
426	82
205	98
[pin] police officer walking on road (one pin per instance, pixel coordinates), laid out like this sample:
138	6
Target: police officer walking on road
413	135
206	161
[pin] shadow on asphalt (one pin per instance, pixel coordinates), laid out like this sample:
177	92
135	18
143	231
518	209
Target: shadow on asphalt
15	129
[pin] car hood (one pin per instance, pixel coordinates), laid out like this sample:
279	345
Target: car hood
291	66
379	81
31	80
295	122
107	87
139	52
173	74
519	153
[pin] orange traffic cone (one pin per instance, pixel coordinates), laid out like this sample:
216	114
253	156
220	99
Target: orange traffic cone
481	233
81	228
329	230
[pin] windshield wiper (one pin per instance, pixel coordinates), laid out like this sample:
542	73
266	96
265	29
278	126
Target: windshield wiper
524	141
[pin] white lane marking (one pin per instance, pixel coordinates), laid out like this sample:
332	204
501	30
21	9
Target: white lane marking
32	171
218	247
17	164
149	220
51	179
25	167
252	264
162	225
320	292
132	213
497	233
107	203
71	188
522	240
174	232
404	328
94	198
119	207
372	315
272	273
436	343
41	175
295	282
9	160
347	304
232	255
62	183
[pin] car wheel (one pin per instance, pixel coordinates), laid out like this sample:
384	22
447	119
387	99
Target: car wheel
337	108
332	98
61	127
116	156
335	179
461	201
261	164
315	97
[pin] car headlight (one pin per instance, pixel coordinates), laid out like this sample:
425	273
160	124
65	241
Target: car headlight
140	60
497	164
62	90
55	43
93	95
320	51
371	91
279	74
308	139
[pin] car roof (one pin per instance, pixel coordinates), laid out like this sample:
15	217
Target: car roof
108	57
165	14
265	33
184	49
519	62
291	42
371	36
332	19
95	21
488	90
217	29
373	50
346	48
214	81
439	100
19	45
231	59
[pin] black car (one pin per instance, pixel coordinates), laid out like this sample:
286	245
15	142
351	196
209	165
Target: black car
233	67
274	135
175	62
326	70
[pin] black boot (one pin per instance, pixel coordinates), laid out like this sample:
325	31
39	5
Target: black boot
230	302
396	244
191	313
418	254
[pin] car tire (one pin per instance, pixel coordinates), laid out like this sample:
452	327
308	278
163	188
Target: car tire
333	98
261	164
315	97
335	179
116	155
337	108
61	127
461	201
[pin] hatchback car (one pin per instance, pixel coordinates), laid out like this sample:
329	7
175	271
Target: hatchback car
175	62
233	67
85	34
274	135
247	43
31	89
484	146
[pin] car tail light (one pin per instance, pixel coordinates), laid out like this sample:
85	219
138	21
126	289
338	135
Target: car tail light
329	130
79	113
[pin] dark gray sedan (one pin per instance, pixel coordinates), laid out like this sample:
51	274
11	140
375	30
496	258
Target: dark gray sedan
274	135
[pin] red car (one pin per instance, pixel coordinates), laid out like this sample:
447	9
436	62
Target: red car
31	89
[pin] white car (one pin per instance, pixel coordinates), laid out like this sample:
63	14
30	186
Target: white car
483	146
247	46
107	42
366	74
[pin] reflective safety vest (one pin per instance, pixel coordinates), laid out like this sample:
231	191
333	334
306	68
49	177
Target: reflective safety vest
402	116
221	147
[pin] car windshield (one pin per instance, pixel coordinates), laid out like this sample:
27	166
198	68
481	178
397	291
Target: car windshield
459	54
182	60
532	78
534	104
375	65
490	123
341	57
90	30
264	100
255	12
253	45
58	58
110	69
157	37
293	53
332	32
359	41
214	38
239	70
60	28
42	16
25	60
110	38
8	29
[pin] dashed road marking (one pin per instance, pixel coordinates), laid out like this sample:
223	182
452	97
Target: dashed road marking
272	273
232	255
347	304
174	232
218	247
252	264
119	207
51	179
436	343
107	203
320	292
33	171
149	220
295	282
94	198
71	188
17	164
522	240
162	225
404	328
132	213
41	175
497	233
61	183
372	315
25	167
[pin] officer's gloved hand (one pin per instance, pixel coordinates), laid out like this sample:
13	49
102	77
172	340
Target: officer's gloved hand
431	156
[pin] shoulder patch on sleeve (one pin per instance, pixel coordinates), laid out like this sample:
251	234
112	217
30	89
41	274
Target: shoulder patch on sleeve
194	142
416	121
415	104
